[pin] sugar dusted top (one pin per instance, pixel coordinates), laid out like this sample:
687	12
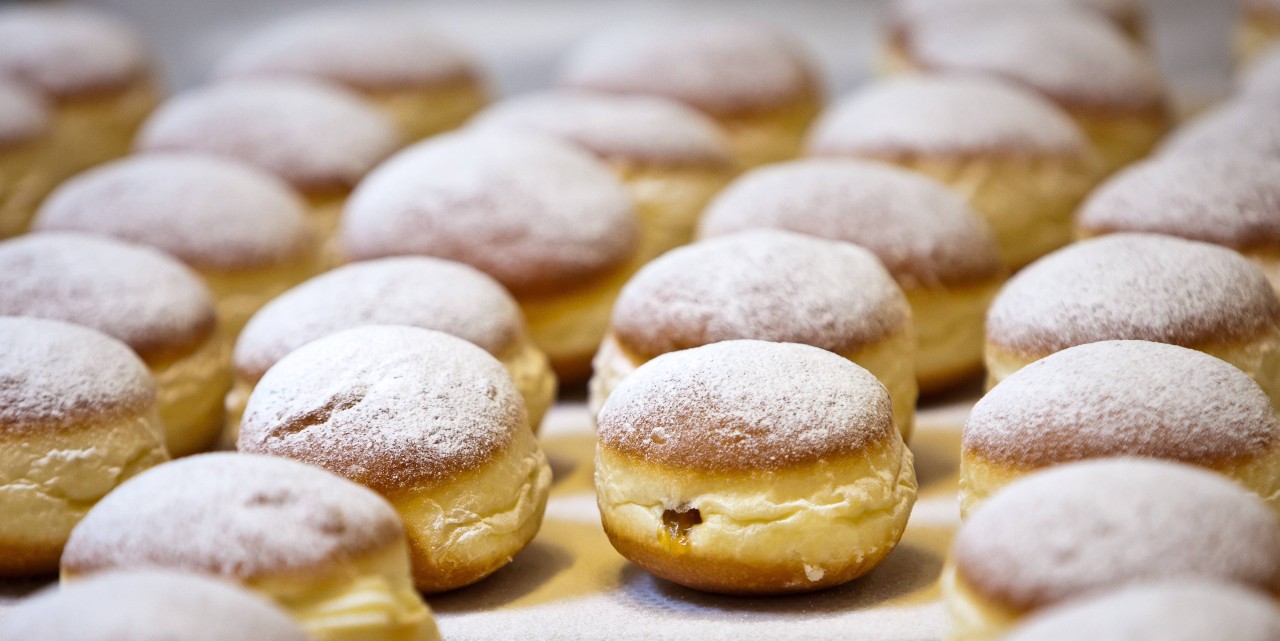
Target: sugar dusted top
23	114
211	213
1115	10
1133	286
390	407
65	51
1240	128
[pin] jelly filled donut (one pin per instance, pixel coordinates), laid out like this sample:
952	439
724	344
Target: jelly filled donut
431	422
938	249
545	219
1017	158
92	67
748	467
409	290
1138	287
320	138
142	297
1259	28
26	157
244	231
77	417
1122	398
1185	610
1078	529
672	158
1129	15
147	605
329	552
1108	84
418	78
757	83
1225	199
769	285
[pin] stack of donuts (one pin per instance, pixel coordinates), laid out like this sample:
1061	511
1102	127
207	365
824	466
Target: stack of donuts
275	350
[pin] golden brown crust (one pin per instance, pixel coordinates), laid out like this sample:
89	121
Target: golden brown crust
26	560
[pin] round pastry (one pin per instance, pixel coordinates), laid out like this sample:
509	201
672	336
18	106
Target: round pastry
147	605
409	290
756	82
244	231
1225	199
329	552
1259	28
1108	84
549	222
672	158
418	78
91	66
319	138
1239	128
1081	528
431	422
1017	158
142	297
26	158
942	254
1122	398
77	417
837	297
1138	287
748	467
1129	15
1185	610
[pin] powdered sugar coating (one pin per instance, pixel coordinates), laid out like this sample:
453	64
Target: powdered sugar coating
1123	398
371	50
1075	57
23	114
1240	128
1219	198
390	407
627	129
944	116
535	213
209	212
410	290
1076	529
926	235
1115	10
838	296
1261	79
68	50
1186	610
1133	286
147	605
55	376
136	294
718	67
746	405
313	135
234	515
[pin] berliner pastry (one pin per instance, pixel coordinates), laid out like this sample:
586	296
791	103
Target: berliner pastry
748	467
672	158
77	417
944	257
756	82
1017	158
768	285
243	230
1122	398
1078	529
142	297
1138	287
1129	15
26	156
431	422
1224	199
1108	84
423	82
94	69
147	605
1240	128
1184	610
409	290
548	221
318	137
329	552
1259	28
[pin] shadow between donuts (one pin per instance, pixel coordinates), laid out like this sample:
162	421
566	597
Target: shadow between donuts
533	567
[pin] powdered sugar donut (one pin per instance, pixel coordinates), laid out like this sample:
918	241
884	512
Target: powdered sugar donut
1242	128
1128	15
26	159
